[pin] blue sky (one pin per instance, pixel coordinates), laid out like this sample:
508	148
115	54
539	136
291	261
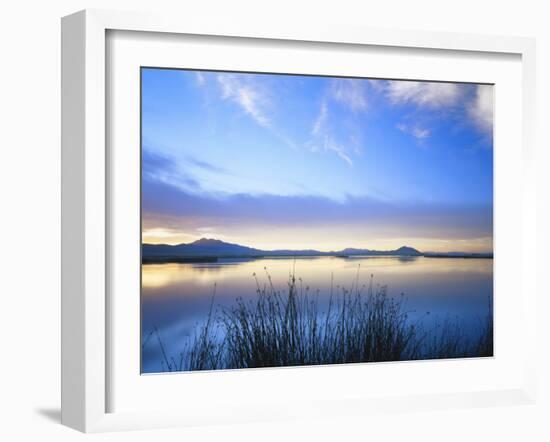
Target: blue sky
282	161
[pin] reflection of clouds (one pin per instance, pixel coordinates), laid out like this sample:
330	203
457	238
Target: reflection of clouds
442	286
153	275
236	275
161	275
170	274
401	259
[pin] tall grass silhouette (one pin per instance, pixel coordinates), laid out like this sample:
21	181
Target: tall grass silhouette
291	327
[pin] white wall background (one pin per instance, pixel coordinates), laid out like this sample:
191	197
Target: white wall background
30	219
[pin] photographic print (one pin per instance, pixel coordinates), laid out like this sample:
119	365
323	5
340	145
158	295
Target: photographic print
299	220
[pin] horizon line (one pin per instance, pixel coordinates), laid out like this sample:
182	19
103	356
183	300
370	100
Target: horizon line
319	251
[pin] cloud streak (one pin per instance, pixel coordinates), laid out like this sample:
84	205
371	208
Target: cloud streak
321	120
428	94
480	109
472	102
417	132
199	77
350	92
333	146
468	220
181	172
323	137
247	95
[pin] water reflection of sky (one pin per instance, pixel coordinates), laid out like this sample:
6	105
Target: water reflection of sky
176	297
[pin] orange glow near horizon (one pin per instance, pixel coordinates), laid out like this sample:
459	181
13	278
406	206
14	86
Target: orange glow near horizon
322	239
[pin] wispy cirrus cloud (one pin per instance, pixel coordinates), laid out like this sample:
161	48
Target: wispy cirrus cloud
248	95
474	102
429	94
350	92
205	165
416	131
332	145
321	120
163	168
324	139
199	77
184	172
252	95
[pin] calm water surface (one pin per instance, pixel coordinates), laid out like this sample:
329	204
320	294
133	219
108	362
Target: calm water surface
176	297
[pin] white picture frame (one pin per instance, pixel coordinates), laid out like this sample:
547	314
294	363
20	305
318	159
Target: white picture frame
86	206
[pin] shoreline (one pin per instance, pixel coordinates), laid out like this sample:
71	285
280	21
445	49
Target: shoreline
215	259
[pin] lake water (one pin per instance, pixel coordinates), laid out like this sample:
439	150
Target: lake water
176	297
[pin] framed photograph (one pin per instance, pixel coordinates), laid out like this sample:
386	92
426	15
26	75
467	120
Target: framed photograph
280	222
278	213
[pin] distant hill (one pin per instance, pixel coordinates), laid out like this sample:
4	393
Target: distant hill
205	247
401	251
202	247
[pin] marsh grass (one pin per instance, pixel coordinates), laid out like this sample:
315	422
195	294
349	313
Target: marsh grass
291	327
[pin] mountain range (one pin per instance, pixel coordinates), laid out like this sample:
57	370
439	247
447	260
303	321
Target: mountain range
206	247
